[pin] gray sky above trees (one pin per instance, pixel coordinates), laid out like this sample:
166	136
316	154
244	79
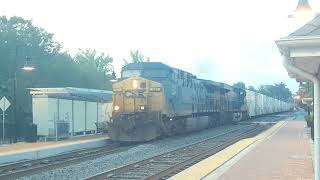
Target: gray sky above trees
226	41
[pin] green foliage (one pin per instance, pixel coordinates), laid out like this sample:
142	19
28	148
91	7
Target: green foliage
309	120
251	88
279	91
54	68
306	89
136	57
93	67
240	85
91	58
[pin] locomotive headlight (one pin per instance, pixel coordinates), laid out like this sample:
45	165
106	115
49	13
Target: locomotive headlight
134	84
142	107
116	108
117	89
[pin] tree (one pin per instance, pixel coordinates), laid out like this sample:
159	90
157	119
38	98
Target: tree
18	39
251	88
305	91
266	90
54	67
94	65
240	85
136	57
100	61
279	91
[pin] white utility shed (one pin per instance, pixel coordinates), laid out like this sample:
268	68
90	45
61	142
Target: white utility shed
75	111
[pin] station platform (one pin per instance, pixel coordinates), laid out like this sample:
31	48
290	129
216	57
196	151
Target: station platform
26	151
281	152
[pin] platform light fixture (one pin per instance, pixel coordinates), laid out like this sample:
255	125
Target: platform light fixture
113	73
28	66
303	11
298	97
113	77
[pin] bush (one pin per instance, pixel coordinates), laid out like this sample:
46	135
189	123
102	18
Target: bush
309	120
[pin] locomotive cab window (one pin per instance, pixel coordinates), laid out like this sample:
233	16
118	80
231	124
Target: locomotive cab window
131	73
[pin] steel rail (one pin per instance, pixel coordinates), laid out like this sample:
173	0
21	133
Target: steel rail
170	163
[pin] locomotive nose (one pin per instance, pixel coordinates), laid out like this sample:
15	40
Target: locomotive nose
136	94
137	105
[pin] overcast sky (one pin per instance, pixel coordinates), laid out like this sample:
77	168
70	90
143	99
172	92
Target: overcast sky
225	40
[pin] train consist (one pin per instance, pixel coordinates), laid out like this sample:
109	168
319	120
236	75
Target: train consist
153	99
259	104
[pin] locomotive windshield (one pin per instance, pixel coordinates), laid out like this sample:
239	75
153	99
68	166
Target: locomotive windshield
131	73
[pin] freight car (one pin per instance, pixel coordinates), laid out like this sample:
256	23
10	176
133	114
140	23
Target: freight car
259	104
153	99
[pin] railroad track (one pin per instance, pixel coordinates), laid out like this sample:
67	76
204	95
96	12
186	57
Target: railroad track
30	167
168	164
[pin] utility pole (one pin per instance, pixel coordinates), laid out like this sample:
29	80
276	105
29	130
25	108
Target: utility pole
3	126
15	87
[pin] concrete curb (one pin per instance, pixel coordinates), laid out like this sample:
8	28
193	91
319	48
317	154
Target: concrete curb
48	151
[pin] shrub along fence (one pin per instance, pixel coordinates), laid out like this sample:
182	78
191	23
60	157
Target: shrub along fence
309	120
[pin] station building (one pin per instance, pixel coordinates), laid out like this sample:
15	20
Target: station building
301	57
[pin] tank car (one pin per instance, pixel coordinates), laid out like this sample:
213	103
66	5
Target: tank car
153	99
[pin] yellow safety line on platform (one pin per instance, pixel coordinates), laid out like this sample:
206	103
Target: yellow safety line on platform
210	164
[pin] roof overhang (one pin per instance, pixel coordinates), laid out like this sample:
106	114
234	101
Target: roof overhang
303	52
298	41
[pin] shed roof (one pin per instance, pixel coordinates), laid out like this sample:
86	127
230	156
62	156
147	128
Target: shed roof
74	93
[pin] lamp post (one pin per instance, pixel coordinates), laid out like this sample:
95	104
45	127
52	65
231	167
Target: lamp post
303	11
113	74
26	67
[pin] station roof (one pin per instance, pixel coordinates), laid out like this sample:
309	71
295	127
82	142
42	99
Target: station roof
302	48
73	93
312	28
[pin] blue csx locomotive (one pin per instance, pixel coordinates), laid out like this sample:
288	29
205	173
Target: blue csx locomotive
153	99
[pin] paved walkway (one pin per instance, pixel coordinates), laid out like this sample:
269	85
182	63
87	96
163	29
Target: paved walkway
282	152
284	155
